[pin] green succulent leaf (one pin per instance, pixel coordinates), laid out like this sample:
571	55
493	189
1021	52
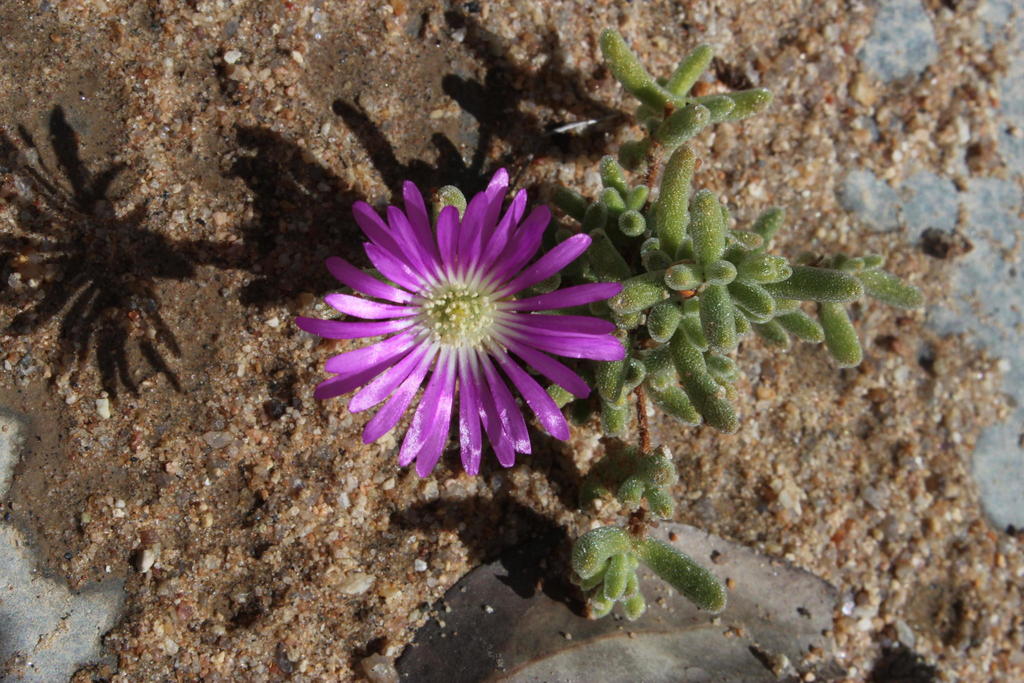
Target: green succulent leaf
809	283
612	176
662	320
674	401
679	570
593	549
628	71
571	202
606	262
840	335
615	417
449	195
720	272
773	334
753	298
632	223
748	103
706	229
616	577
595	217
717	317
802	325
682	125
671	210
719	106
889	289
768	223
689	70
639	293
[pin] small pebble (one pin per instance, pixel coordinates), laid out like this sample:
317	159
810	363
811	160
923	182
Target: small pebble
356	584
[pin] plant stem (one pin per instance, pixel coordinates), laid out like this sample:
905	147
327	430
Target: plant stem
641	419
653	162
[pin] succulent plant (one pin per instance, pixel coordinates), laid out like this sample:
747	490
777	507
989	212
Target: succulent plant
605	561
693	285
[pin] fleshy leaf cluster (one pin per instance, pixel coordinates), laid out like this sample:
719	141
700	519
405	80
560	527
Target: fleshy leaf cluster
694	285
605	561
669	112
634	477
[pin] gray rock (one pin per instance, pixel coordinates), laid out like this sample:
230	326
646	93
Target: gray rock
989	307
902	40
1003	21
929	201
871	199
999	470
47	632
527	635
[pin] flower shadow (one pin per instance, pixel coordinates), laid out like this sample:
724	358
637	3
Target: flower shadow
98	269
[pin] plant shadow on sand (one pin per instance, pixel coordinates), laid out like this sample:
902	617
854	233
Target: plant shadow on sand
100	269
533	548
495	106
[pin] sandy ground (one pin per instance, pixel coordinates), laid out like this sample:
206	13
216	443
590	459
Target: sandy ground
195	162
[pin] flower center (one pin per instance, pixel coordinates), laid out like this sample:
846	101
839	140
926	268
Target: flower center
456	315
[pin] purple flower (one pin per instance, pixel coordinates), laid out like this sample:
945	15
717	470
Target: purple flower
451	314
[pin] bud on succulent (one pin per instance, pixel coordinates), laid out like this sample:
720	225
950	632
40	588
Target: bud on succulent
449	195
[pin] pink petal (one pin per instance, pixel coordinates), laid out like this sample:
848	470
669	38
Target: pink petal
470	438
351	379
382	386
334	329
418	253
472	230
389	415
423	425
349	275
542	405
505	408
374	227
584	324
419	220
447	230
552	369
498	182
439	425
522	246
394	269
568	297
592	346
367	309
547	265
499	238
392	347
501	442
